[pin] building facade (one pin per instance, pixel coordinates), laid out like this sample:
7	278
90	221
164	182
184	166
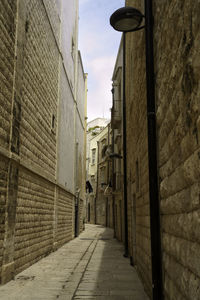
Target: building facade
176	63
104	198
42	104
117	146
94	133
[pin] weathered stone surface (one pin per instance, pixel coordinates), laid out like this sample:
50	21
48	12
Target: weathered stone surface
186	282
8	272
177	87
3	196
7	62
36	214
40	90
177	65
137	154
64	230
34	219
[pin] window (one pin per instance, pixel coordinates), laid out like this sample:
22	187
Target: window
53	123
93	155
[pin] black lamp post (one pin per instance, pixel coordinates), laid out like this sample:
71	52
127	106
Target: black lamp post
129	19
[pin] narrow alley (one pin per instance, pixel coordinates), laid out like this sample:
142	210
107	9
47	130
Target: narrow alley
91	266
99	149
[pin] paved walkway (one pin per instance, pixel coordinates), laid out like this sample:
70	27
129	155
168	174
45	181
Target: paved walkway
91	266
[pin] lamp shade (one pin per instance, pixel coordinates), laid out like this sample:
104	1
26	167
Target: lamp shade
126	19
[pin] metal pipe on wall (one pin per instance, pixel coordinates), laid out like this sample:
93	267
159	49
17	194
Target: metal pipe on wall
125	150
113	197
152	157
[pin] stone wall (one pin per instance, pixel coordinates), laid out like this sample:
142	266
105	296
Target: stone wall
81	215
177	65
64	224
39	90
137	156
34	219
7	73
37	209
176	46
7	62
3	196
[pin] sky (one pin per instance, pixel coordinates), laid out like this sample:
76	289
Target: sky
98	43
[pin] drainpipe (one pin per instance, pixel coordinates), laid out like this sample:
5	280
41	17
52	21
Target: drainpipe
97	186
152	156
124	150
108	179
113	196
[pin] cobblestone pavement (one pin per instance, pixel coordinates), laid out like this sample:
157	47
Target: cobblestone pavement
91	266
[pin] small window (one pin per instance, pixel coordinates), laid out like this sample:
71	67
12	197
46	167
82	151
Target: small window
53	123
93	155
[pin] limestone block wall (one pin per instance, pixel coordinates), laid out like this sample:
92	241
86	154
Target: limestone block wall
7	61
81	215
3	195
34	219
64	224
37	210
177	63
39	90
139	241
119	216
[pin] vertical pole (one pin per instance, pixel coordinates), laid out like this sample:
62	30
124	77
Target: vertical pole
124	150
152	156
97	187
113	196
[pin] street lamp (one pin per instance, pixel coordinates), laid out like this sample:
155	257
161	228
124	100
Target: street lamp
129	19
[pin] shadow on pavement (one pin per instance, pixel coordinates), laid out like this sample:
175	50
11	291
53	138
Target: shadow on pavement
108	274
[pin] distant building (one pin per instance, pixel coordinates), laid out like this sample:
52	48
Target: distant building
96	129
117	146
99	122
93	128
104	199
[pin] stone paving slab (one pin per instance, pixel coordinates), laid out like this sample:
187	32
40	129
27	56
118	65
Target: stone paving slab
91	266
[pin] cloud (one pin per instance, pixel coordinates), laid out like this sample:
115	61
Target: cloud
82	2
100	85
102	64
89	44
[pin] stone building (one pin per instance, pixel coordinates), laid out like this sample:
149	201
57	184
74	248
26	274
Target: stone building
94	129
177	65
104	207
117	146
42	130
